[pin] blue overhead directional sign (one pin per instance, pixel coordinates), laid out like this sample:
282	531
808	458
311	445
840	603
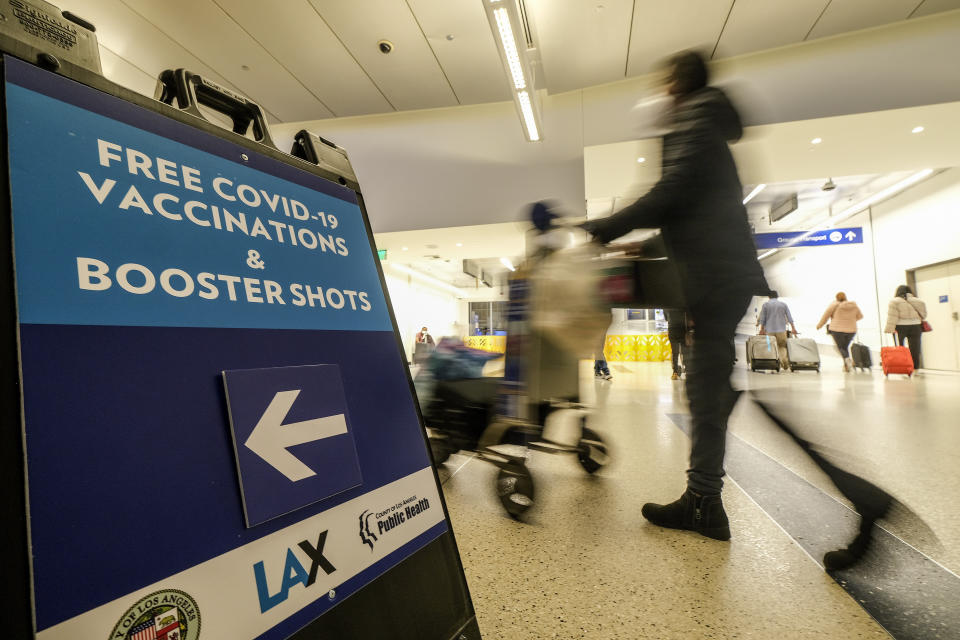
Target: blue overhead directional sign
824	238
291	437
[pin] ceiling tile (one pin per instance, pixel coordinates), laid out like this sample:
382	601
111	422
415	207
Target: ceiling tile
849	15
664	28
128	35
301	41
930	7
460	36
410	76
755	25
203	28
583	44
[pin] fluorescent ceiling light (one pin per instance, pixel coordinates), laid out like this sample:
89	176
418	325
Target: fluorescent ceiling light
429	279
509	265
753	194
529	121
853	210
404	249
510	47
767	254
917	130
878	196
505	23
816	141
459	244
641	160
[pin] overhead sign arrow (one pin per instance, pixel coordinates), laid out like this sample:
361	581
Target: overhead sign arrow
851	236
271	438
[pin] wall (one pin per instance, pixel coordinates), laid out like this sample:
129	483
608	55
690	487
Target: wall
416	304
918	227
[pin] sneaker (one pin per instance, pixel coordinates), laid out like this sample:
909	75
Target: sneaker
598	374
692	512
607	376
675	376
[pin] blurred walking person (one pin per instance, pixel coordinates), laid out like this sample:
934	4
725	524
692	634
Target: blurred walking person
841	319
677	334
773	320
697	205
905	316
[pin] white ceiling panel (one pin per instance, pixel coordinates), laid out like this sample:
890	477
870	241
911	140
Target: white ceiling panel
410	77
209	33
121	71
301	41
662	28
755	25
849	15
128	35
930	7
460	36
581	43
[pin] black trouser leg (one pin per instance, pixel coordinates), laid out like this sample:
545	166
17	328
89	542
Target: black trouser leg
711	396
843	341
910	333
676	348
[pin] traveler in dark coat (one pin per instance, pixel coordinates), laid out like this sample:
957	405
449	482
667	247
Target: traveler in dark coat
697	204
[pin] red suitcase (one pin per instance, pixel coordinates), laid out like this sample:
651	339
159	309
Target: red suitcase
896	360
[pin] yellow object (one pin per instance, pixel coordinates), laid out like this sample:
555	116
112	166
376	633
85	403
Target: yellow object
493	344
649	347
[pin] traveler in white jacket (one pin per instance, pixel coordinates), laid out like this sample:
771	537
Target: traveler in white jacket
905	314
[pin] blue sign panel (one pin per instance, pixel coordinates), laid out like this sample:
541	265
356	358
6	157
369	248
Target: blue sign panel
944	298
151	257
824	238
292	437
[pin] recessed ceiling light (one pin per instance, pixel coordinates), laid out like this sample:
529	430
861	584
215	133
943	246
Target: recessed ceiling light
450	37
917	130
244	67
459	244
405	249
641	160
816	141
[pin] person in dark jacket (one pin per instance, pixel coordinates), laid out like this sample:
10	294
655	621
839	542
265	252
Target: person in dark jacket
697	205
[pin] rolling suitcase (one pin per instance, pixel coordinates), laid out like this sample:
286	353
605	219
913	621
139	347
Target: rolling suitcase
861	356
896	360
803	354
762	353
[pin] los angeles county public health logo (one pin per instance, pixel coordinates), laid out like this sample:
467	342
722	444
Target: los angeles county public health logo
389	519
169	614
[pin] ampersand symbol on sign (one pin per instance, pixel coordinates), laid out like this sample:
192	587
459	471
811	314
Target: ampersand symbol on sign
253	259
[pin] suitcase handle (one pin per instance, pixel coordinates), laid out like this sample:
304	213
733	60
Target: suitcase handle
326	155
189	91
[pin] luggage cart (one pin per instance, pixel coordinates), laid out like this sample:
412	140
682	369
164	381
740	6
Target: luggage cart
536	403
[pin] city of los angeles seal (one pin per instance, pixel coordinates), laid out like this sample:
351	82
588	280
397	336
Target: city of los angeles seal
169	614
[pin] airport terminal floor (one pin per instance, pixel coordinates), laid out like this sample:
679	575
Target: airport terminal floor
584	563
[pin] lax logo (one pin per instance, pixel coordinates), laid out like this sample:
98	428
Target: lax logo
368	536
293	572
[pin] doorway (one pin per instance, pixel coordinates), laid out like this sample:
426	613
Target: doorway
939	287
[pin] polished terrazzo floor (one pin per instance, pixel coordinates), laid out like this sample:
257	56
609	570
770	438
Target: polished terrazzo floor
584	564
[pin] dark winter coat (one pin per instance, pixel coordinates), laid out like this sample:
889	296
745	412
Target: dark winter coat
697	202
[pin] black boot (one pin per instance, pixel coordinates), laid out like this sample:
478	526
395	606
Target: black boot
693	512
871	506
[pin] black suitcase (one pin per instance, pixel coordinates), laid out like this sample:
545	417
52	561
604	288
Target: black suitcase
861	356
